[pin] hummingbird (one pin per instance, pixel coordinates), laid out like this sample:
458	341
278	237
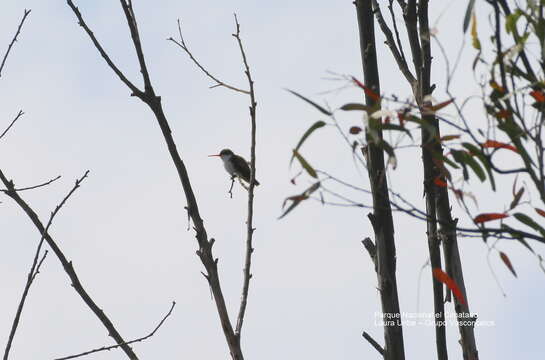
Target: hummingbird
235	165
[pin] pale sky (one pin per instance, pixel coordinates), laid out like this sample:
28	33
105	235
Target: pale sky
313	289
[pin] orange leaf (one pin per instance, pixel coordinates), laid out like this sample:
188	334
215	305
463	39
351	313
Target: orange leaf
441	276
355	130
449	137
489	217
497	144
441	105
503	114
538	95
373	95
439	182
494	85
507	262
540	212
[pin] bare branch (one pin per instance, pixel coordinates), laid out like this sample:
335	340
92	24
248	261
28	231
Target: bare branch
205	246
34	186
25	14
122	77
373	343
19	114
34	271
133	27
390	42
249	221
104	348
66	264
185	48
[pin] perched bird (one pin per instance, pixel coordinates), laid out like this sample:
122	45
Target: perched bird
235	165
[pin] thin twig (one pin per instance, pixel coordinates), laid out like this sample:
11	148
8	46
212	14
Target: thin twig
111	347
34	186
401	63
249	221
185	48
101	50
19	114
34	271
230	192
25	14
66	264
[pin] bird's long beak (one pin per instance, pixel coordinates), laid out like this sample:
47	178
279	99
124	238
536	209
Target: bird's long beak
214	155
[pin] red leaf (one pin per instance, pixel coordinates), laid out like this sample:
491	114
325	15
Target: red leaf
489	217
387	120
439	182
503	114
507	262
538	95
354	130
441	276
540	212
441	105
373	95
449	137
401	116
497	144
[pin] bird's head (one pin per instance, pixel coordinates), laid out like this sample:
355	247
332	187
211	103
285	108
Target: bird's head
224	154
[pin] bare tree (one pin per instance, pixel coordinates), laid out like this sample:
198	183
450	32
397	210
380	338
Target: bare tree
149	97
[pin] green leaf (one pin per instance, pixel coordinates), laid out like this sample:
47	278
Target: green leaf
463	158
355	106
316	125
458	156
473	150
297	199
397	128
511	21
525	219
475	166
467	17
309	169
517	236
516	198
320	108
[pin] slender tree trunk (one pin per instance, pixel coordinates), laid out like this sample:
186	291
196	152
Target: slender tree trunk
381	218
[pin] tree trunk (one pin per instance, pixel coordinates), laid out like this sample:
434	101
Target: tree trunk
381	218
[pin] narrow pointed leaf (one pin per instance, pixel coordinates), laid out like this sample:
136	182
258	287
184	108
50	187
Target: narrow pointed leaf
484	217
499	145
355	106
475	151
309	169
540	212
525	219
474	36
517	236
367	90
297	199
441	276
449	137
316	125
516	198
396	128
320	108
467	17
507	263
